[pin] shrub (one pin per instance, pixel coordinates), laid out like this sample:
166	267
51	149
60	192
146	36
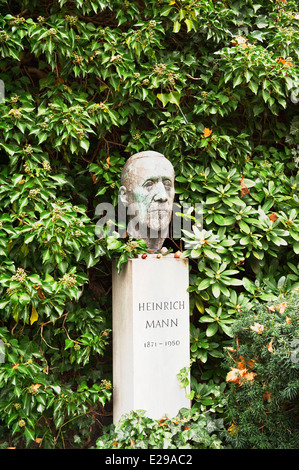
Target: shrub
188	430
264	377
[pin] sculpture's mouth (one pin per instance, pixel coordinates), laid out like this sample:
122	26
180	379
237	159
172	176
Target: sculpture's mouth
159	210
159	207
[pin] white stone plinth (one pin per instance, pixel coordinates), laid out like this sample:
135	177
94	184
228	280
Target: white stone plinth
150	336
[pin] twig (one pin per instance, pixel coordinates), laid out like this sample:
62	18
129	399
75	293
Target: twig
193	78
14	328
113	143
185	119
41	333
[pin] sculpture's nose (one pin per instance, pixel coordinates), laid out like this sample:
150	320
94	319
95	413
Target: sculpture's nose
161	194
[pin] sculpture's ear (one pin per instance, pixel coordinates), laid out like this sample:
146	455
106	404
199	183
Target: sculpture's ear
122	195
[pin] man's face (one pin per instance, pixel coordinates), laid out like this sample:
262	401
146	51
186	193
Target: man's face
152	192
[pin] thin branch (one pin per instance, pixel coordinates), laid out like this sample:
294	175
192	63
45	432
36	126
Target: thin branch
193	78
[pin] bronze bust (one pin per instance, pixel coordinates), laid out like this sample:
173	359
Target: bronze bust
147	191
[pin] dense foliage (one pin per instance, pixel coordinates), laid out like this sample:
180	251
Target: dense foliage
213	85
263	400
187	430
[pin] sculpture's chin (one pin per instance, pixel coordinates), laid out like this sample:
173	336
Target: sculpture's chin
154	244
153	228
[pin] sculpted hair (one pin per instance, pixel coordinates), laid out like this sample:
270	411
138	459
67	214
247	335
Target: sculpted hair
128	168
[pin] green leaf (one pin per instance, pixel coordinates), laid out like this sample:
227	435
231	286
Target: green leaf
42	136
249	286
29	433
69	343
204	284
244	227
212	200
202	355
253	86
235	282
9	148
113	243
176	26
101	191
84	144
296	247
24	299
216	290
165	98
16	179
34	278
268	297
29	237
91	261
46	255
257	35
34	315
73	146
237	80
166	10
59	179
189	24
174	97
57	389
212	329
227	329
219	219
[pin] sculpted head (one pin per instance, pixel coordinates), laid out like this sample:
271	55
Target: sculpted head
147	190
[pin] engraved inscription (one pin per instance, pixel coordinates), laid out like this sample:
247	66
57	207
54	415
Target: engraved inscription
168	322
161	315
164	305
155	344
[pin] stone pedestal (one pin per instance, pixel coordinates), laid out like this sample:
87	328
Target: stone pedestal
150	336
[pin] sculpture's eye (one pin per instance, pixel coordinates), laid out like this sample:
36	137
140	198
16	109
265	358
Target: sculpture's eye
167	184
148	184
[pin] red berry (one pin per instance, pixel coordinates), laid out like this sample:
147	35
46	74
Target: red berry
144	256
177	254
